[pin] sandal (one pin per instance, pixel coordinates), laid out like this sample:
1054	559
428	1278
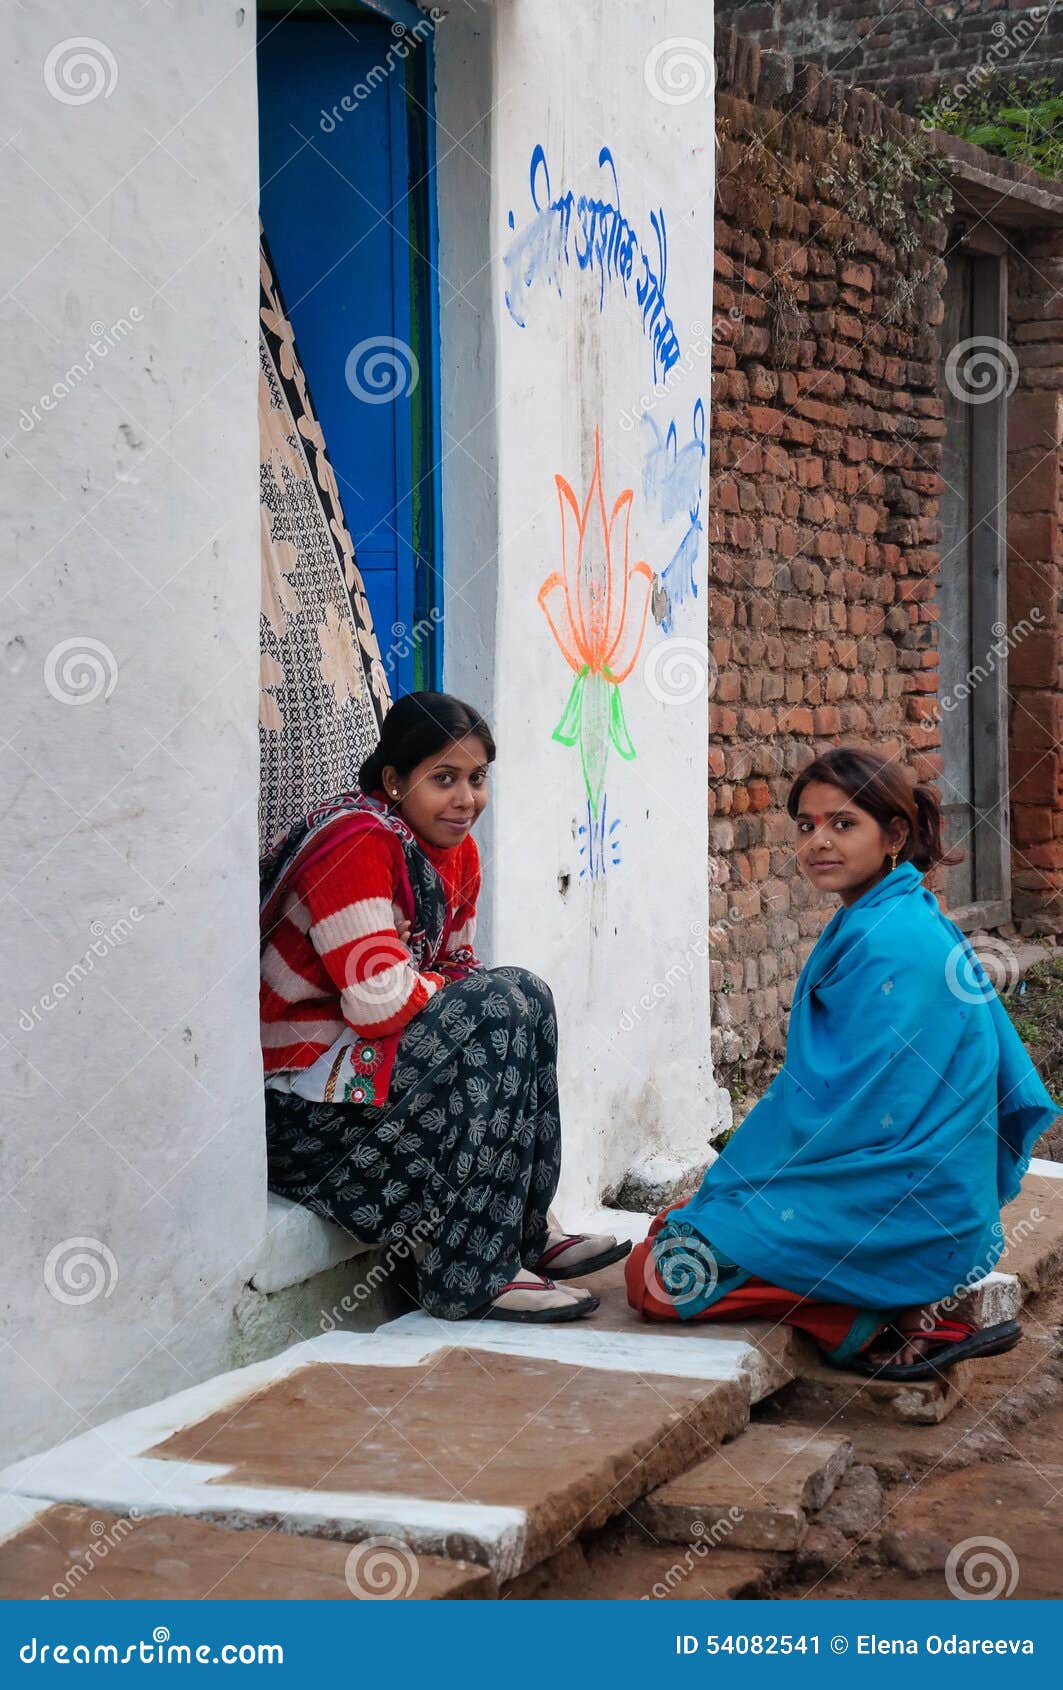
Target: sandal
609	1251
954	1341
576	1309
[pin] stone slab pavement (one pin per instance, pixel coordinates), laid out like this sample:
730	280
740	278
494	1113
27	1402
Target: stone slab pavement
61	1552
481	1455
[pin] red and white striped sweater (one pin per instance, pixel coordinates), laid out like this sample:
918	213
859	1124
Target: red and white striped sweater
334	961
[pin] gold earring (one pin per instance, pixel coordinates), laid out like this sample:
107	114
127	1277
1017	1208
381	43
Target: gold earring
893	860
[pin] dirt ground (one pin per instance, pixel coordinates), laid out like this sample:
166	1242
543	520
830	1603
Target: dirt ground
1010	1511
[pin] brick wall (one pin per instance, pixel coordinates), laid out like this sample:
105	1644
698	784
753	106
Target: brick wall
1035	583
826	447
907	49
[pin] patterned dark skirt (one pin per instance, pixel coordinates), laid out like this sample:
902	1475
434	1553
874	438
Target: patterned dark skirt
464	1158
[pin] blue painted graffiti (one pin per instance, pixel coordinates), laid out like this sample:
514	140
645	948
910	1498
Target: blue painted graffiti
599	842
673	481
600	237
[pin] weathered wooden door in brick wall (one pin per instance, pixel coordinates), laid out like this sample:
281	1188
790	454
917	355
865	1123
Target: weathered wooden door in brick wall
971	588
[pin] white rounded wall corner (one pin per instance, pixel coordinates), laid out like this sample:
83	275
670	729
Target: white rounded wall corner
574	356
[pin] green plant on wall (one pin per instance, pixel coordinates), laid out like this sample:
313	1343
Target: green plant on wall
895	186
1020	119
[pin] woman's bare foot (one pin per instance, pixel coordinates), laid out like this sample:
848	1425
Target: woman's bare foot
568	1255
541	1294
887	1352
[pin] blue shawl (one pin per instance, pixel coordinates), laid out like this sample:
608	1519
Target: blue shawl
874	1168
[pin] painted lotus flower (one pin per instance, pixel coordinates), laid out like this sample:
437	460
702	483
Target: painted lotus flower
596	606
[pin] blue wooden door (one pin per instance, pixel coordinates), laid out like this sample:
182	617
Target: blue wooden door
345	199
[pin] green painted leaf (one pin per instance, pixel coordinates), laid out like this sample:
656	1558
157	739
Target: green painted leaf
568	728
618	731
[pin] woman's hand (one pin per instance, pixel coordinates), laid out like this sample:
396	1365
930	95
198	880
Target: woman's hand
402	925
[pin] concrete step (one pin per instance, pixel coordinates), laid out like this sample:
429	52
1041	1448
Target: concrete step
55	1551
922	1402
298	1244
1033	1230
760	1356
485	1456
756	1492
617	1566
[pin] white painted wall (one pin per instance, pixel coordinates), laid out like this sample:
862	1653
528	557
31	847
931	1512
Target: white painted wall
625	953
132	1112
132	1178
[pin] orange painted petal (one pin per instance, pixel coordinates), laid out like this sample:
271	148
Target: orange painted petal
594	566
571	546
623	655
554	599
616	606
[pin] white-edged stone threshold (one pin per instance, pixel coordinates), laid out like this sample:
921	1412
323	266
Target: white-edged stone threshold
16	1512
1050	1170
107	1468
641	1350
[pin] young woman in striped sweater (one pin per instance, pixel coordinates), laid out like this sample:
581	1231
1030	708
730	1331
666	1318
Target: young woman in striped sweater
411	1093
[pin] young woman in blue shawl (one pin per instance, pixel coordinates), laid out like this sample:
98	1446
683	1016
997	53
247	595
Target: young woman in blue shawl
867	1184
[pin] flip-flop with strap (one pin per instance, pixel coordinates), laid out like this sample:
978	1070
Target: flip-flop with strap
954	1340
614	1253
540	1317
